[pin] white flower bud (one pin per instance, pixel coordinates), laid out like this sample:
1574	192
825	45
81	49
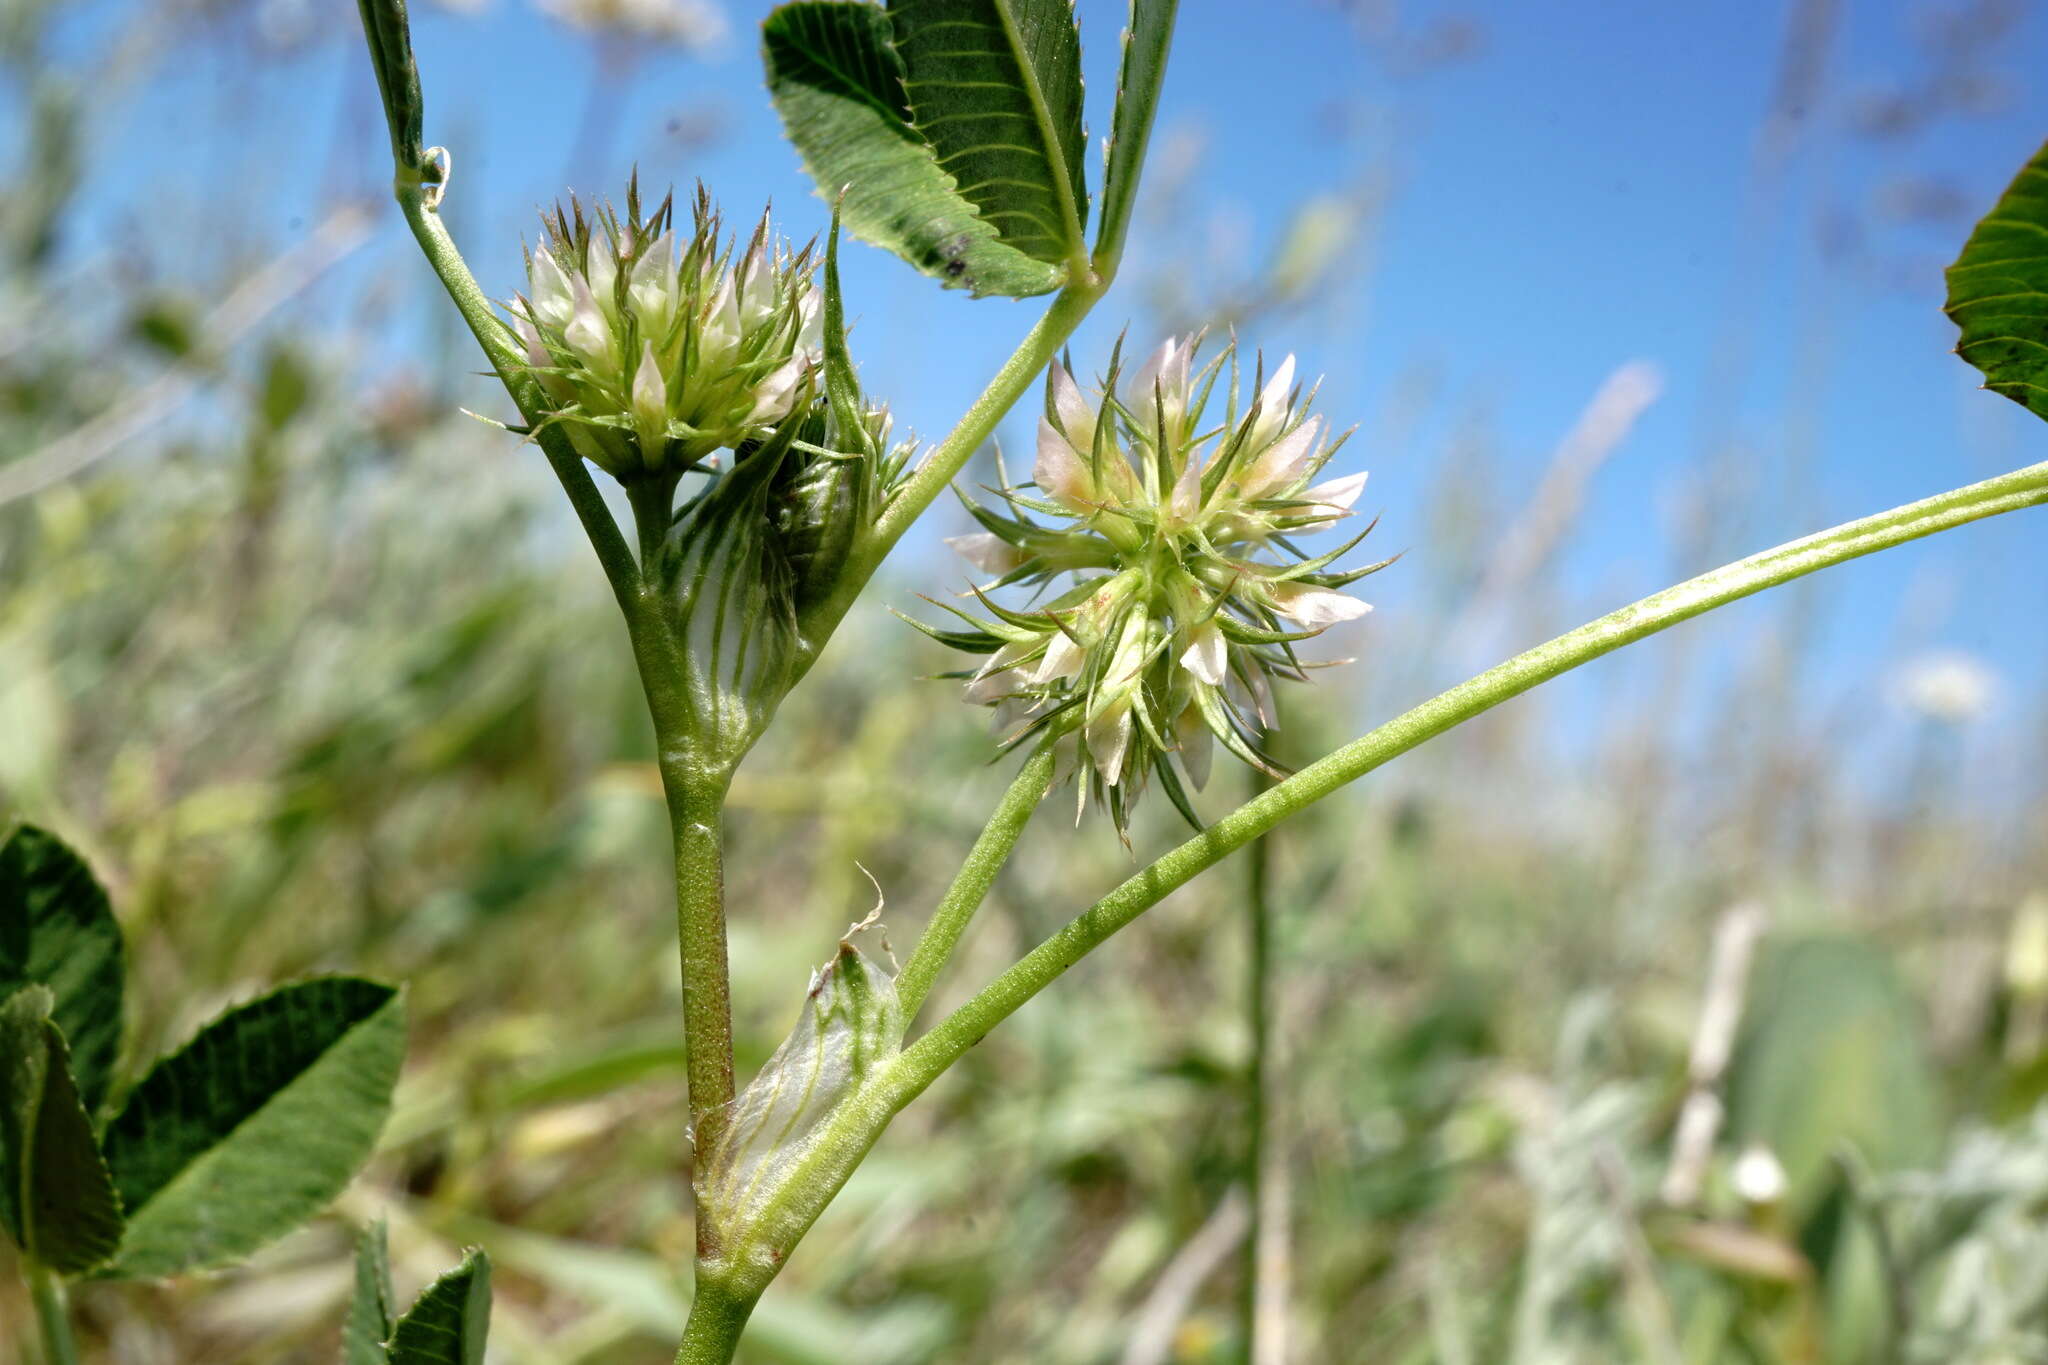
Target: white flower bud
1315	608
650	399
554	303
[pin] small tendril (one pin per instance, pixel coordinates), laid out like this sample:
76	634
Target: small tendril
873	920
437	165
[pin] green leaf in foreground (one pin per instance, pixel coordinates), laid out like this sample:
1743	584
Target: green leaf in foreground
995	89
837	81
56	929
56	1198
368	1325
448	1323
255	1125
1998	291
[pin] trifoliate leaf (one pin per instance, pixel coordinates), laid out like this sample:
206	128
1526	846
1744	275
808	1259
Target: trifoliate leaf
56	1199
448	1323
1998	291
56	929
255	1125
995	89
837	81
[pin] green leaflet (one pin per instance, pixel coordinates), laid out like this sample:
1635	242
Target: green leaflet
255	1125
447	1324
1998	291
56	929
851	1022
368	1325
995	89
837	81
1137	98
56	1199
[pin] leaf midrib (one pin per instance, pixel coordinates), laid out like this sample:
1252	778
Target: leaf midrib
1055	155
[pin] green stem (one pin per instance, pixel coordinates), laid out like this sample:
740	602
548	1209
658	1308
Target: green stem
951	455
501	349
695	794
971	884
925	1060
717	1318
52	1319
696	811
418	181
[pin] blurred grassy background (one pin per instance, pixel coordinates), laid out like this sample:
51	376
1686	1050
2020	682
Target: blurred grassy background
319	678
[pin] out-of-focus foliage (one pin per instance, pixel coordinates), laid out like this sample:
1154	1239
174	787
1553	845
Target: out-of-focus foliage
323	680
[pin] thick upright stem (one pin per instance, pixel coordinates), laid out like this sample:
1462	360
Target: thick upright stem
717	1318
53	1320
696	805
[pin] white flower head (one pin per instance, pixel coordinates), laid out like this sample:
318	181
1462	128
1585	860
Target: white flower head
659	351
1188	591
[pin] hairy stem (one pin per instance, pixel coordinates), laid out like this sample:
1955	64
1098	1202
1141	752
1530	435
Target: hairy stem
53	1321
717	1318
696	812
502	351
925	1060
970	886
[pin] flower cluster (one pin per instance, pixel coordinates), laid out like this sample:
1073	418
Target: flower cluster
654	360
1186	591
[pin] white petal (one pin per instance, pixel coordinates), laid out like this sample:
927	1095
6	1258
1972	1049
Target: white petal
1109	739
987	552
988	688
1063	658
1060	473
1163	377
774	395
603	271
1315	608
1197	747
1281	463
554	303
1129	659
1186	501
1273	397
809	310
653	287
1204	656
1077	419
1338	495
529	338
650	394
1272	405
1334	498
588	332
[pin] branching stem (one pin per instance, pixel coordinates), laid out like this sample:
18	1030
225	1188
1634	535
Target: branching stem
971	884
926	1059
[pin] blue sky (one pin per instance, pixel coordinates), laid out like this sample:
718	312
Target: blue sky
1577	190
